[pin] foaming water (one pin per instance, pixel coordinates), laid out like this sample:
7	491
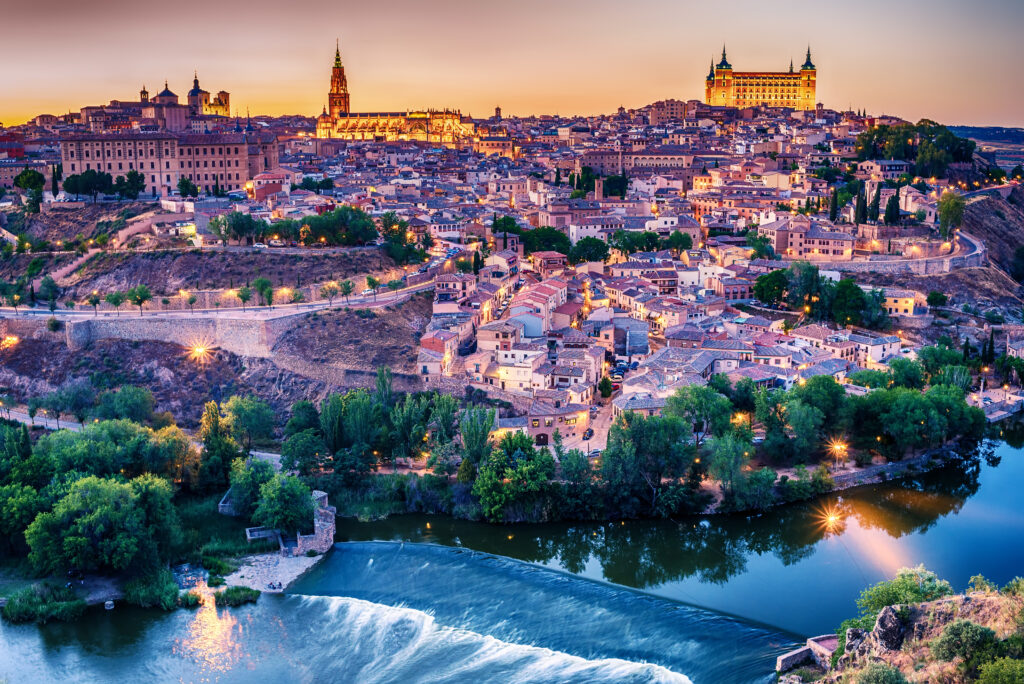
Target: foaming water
396	644
511	606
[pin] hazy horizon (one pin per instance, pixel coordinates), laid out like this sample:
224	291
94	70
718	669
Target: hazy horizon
915	59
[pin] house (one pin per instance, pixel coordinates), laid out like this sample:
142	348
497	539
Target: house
548	263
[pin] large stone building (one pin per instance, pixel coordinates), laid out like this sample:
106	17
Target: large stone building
728	88
446	127
200	103
227	160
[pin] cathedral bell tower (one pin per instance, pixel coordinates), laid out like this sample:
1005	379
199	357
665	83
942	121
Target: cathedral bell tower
337	98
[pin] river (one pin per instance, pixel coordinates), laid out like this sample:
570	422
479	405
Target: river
418	598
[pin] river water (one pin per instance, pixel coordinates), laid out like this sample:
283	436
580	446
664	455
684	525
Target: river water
417	598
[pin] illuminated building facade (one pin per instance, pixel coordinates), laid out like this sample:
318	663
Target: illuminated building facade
446	127
794	89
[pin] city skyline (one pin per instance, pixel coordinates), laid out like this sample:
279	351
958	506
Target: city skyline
580	60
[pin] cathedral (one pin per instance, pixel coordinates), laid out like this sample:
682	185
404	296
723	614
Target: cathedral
445	127
728	88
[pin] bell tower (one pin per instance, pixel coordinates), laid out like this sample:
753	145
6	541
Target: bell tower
337	98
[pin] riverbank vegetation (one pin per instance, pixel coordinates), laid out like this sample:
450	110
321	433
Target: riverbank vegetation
653	465
913	628
123	500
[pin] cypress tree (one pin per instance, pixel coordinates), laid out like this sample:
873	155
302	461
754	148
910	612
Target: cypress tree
861	211
892	210
833	206
873	208
967	349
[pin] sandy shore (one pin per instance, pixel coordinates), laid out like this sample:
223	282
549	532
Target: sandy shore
264	569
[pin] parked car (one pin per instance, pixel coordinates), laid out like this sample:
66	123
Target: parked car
595	408
594	453
368	292
634	365
259	245
615	377
588	433
616	387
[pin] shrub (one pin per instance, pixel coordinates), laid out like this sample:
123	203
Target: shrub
155	589
1002	671
52	324
1015	587
962	638
979	583
189	599
236	596
877	673
217	566
312	553
215	581
41	603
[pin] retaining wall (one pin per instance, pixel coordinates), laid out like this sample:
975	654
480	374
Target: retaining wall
246	337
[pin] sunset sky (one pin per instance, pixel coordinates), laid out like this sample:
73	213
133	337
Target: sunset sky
954	61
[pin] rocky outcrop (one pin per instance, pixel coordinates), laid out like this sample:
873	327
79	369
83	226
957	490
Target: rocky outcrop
888	631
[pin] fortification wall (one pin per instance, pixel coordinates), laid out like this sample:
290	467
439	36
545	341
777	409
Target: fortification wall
246	337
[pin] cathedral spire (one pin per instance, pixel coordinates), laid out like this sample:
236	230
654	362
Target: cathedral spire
711	72
337	53
790	66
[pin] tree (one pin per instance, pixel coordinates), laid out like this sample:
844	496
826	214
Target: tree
770	288
1003	670
116	299
139	295
130	186
304	417
445	459
332	421
384	393
679	241
94	300
588	249
879	673
30	180
246	479
345	288
860	212
186	188
936	298
951	212
605	387
892	210
475	425
394	285
907	373
219	448
702	409
244	294
19	506
873	208
372	284
129	402
285	504
48	289
545	239
833	206
329	291
805	422
509	485
264	289
250	418
305	453
848	302
96	526
728	454
408	428
442	416
191	301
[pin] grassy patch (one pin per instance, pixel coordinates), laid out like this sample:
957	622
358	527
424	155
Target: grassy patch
155	589
41	603
236	596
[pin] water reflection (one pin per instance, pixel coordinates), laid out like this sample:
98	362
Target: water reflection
214	637
649	553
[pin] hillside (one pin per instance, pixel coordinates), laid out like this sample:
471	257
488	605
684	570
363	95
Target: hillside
908	638
999	223
180	384
329	343
166	272
89	221
982	287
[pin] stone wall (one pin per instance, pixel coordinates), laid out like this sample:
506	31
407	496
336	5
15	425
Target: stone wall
245	337
976	257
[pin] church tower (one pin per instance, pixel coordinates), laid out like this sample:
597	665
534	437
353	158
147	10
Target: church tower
337	98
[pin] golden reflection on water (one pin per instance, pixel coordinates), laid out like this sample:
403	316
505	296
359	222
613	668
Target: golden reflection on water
213	637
